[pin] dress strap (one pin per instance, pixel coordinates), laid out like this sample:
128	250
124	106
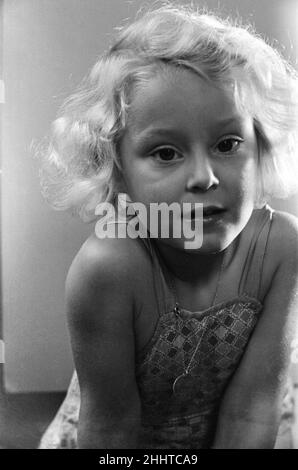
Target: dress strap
165	295
258	234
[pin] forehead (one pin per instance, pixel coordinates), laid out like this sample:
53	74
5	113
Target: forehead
181	98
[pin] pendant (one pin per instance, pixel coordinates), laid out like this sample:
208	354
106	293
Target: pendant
176	310
184	387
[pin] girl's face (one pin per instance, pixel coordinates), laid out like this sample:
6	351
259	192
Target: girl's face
186	141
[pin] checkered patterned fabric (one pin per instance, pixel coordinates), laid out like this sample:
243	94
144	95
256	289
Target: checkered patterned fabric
222	335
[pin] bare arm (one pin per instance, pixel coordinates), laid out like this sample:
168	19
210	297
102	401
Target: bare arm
100	316
250	413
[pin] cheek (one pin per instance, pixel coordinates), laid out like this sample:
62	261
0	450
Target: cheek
140	188
145	192
243	180
145	185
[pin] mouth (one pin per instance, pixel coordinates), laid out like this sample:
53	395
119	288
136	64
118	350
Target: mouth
212	211
207	212
211	215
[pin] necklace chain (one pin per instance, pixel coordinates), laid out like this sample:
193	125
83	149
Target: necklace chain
177	309
172	285
219	278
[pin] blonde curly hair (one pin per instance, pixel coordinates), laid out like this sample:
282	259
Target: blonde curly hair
79	168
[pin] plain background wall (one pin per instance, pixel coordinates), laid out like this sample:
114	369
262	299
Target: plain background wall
48	46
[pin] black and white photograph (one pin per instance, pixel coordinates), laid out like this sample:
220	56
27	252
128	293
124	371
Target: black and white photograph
149	227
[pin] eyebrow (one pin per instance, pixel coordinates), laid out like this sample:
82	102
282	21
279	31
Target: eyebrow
157	132
150	136
231	120
147	134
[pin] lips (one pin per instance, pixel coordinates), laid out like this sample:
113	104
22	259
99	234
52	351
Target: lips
212	210
208	212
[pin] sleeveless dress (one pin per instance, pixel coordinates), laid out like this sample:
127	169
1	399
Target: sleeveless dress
208	343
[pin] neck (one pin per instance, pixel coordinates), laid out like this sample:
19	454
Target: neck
193	268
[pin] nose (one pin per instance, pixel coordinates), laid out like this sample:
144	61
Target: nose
201	175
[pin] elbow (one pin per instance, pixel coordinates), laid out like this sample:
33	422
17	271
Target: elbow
255	428
246	435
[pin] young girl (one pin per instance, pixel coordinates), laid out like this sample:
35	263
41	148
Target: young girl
180	348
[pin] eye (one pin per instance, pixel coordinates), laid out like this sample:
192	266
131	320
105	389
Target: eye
229	144
165	154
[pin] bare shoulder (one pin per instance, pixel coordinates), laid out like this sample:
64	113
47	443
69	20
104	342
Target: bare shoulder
284	237
281	249
110	256
114	267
